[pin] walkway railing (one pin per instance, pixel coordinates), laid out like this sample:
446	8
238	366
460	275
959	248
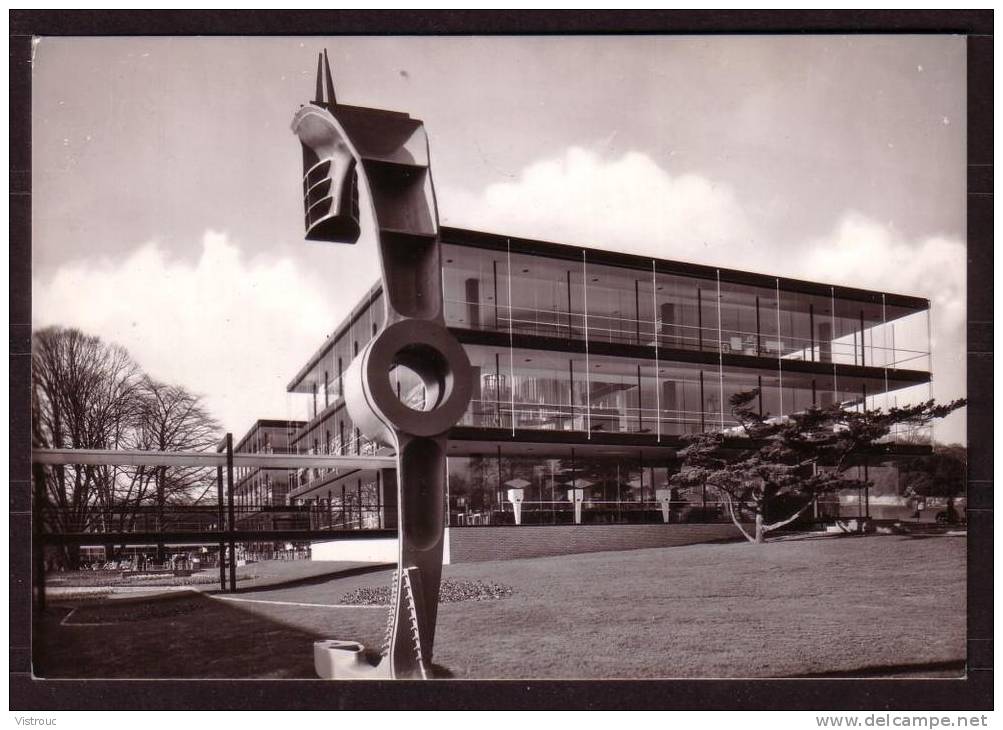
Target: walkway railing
208	524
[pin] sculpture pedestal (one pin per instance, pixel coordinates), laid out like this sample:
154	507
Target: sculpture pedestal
515	497
664	498
576	496
333	659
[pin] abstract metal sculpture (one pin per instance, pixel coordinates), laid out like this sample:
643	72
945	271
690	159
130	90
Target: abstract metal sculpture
385	153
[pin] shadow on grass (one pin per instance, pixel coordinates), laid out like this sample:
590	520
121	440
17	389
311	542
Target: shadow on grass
184	636
312	579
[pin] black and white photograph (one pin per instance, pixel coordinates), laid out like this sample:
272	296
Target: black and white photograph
499	357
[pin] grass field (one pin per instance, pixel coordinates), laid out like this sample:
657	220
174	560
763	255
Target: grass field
884	605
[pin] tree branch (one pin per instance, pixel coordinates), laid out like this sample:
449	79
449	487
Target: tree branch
731	511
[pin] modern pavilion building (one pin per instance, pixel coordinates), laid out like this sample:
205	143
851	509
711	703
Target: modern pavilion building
588	368
261	496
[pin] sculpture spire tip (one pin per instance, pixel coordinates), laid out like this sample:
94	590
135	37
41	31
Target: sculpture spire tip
324	93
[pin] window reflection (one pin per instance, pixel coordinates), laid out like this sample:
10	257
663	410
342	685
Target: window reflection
616	489
596	394
562	298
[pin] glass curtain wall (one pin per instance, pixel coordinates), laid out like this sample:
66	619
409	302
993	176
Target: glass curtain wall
563	391
617	489
548	295
620	305
334	434
684	312
585	300
324	384
353	504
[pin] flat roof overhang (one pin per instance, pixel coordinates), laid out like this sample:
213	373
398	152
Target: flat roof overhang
292	424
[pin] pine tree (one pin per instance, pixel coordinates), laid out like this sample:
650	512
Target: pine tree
790	460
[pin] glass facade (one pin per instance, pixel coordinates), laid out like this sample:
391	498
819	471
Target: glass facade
261	496
615	488
609	351
519	388
334	433
263	488
351	504
518	293
321	383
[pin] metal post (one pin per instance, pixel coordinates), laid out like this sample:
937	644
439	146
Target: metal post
720	353
511	346
588	375
867	491
811	329
703	424
229	505
780	360
220	524
499	490
38	553
640	461
863	345
570	320
498	411
494	270
637	310
832	322
656	325
571	392
379	496
759	331
640	421
699	321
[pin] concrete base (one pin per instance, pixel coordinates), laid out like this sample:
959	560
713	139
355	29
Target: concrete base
333	659
355	551
476	544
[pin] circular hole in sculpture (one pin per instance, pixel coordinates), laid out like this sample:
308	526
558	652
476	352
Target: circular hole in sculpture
419	376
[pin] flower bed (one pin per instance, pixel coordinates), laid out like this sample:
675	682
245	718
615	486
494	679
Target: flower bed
450	591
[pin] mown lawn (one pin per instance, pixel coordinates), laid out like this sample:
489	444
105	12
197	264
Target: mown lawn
879	604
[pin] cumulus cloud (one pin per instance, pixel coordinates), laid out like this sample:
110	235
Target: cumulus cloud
862	252
625	203
232	329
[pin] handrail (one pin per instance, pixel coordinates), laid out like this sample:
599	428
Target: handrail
136	457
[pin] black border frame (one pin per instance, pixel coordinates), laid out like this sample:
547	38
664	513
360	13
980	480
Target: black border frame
972	693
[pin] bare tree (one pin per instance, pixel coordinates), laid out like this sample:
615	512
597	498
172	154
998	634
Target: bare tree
83	396
90	394
172	419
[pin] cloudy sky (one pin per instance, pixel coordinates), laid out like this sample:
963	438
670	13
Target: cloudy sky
167	210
